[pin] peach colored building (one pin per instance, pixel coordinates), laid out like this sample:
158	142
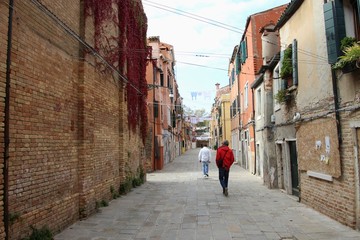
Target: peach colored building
164	105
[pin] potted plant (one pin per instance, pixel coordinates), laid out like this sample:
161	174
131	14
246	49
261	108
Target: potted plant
351	58
282	96
286	64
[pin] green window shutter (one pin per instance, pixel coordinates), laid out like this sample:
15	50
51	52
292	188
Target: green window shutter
237	62
243	50
232	77
283	82
358	5
295	62
334	28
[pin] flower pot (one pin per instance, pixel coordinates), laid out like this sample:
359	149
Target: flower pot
349	67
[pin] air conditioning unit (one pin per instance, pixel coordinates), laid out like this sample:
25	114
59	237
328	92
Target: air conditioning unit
272	118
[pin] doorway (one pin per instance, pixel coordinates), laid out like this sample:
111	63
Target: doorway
294	168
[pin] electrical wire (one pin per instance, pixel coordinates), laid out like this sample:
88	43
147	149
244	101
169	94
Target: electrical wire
222	25
193	16
198	65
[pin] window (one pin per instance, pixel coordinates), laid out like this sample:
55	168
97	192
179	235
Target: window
238	63
258	102
168	115
233	109
351	15
156	109
162	79
341	20
232	77
243	50
277	86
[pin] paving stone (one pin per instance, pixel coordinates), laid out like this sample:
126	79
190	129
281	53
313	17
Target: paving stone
177	203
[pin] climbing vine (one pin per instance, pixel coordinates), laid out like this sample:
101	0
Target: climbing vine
126	51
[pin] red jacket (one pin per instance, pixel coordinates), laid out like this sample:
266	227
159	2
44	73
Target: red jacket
229	157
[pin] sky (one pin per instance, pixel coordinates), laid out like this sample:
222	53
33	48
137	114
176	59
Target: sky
203	35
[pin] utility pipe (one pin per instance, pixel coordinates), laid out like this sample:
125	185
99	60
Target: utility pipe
336	104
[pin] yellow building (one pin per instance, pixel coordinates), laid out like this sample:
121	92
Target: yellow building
221	128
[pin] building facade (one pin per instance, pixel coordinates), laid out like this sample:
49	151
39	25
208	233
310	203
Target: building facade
73	113
233	73
250	58
221	128
164	105
324	108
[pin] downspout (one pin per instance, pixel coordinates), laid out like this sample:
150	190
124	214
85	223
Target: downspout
336	105
7	121
154	124
254	132
224	134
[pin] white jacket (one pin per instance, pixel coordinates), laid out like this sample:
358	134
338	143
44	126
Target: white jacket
205	155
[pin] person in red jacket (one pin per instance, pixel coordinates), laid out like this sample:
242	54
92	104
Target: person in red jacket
225	154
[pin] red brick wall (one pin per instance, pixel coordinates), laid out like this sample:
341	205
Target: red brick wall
69	136
3	47
336	199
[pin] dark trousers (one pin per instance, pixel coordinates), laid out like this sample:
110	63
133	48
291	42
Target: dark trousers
223	177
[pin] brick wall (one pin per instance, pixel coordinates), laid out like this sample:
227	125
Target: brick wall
336	199
70	142
3	47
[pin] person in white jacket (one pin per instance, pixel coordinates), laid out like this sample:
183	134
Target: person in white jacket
205	159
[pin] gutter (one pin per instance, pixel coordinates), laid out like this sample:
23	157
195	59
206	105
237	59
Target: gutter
254	130
7	121
336	105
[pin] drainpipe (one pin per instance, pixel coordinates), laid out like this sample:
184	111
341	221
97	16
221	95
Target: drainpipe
154	124
254	132
336	104
6	122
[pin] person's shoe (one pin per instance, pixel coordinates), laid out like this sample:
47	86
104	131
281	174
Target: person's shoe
207	175
204	175
226	193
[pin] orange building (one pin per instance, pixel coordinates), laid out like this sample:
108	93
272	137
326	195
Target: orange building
164	105
250	58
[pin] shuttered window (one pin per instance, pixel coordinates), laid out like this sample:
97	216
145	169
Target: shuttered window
295	62
243	48
334	28
232	77
238	64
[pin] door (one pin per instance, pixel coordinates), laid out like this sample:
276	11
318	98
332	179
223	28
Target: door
280	165
357	156
244	155
294	168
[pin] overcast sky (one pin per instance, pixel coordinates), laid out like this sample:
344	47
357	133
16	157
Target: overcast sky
202	47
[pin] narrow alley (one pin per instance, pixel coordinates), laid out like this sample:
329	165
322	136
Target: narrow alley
179	203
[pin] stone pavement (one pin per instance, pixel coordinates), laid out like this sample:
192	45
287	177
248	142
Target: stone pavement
179	203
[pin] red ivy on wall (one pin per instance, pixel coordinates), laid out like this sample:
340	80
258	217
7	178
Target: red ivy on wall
126	51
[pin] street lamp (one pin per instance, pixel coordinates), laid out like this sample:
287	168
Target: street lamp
171	95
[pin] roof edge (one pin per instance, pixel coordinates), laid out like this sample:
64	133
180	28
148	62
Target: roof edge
288	12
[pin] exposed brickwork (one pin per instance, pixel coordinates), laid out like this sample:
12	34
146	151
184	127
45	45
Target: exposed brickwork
3	47
70	142
336	199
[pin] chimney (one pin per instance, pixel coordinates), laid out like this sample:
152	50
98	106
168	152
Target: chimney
217	86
